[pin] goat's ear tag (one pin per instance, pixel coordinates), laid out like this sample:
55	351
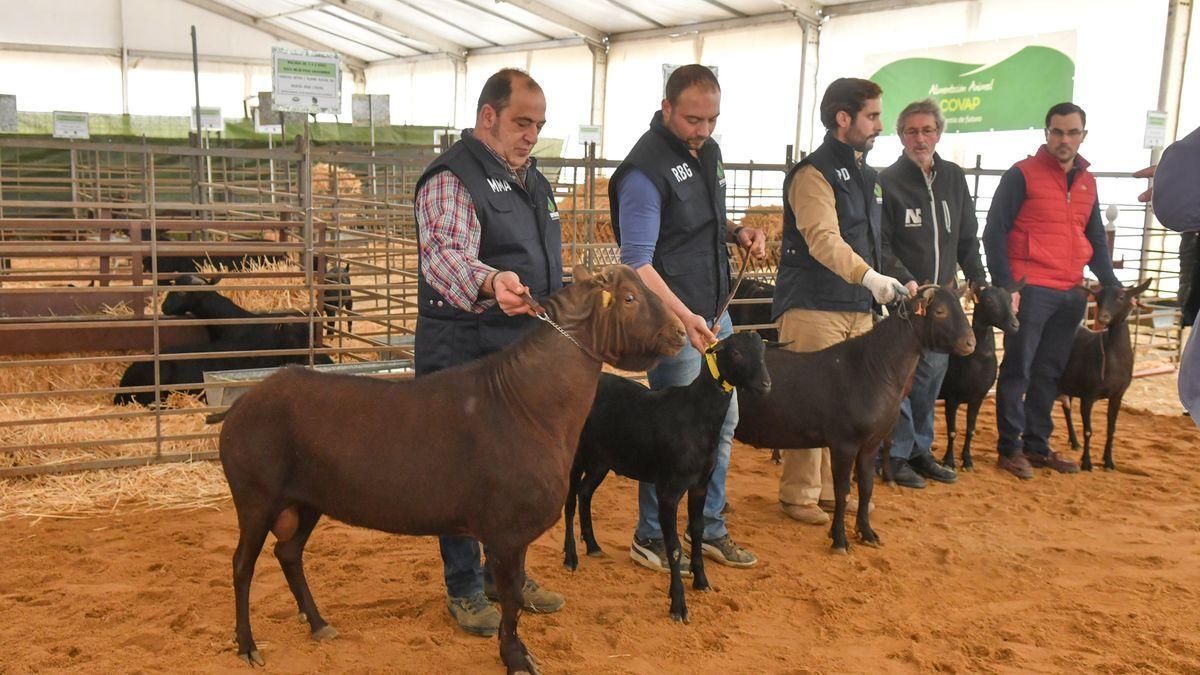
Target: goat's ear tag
606	298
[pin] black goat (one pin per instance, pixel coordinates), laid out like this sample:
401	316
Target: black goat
225	338
337	298
847	397
208	304
188	374
968	378
756	313
1101	367
667	437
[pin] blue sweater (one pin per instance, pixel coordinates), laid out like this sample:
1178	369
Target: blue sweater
641	208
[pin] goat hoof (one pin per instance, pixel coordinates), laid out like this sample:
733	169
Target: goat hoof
681	617
1110	467
530	667
570	567
596	554
324	633
302	617
968	467
890	483
841	550
253	658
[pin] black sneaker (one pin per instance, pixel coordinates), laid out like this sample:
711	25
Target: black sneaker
652	553
904	475
929	467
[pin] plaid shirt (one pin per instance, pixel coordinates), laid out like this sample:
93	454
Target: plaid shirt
448	232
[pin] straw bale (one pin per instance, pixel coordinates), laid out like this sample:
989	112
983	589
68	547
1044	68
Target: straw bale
574	218
325	177
267	300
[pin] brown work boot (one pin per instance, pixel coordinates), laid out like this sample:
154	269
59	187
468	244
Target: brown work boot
537	599
1052	461
809	514
475	614
1017	465
725	551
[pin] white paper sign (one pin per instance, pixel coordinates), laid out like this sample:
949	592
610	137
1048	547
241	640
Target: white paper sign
70	125
261	128
368	109
1156	130
210	119
306	81
589	133
8	114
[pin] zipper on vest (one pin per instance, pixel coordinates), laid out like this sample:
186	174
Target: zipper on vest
937	253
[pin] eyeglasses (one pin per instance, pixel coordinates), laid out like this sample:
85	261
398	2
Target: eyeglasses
925	131
1072	133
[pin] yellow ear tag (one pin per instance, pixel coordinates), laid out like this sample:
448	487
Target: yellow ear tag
605	298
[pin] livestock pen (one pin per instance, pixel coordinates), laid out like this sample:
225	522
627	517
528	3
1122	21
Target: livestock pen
80	299
325	241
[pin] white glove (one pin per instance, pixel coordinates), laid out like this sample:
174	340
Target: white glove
884	288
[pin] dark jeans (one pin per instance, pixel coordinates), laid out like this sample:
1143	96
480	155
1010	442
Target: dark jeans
460	565
912	435
1034	359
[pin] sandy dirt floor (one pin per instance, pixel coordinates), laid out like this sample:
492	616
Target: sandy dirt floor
1086	573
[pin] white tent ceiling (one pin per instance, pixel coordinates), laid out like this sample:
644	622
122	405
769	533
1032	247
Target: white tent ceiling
383	30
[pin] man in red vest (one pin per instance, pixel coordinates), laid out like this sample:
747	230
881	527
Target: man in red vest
1044	225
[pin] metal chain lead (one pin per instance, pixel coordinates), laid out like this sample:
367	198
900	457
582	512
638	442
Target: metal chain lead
546	317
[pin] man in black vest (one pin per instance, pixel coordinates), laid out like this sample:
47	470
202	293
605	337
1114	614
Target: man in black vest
827	283
668	214
488	231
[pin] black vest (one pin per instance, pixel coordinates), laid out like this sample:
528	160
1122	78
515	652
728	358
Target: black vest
690	253
519	231
805	283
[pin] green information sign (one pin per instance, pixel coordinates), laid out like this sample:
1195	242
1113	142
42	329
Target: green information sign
1012	93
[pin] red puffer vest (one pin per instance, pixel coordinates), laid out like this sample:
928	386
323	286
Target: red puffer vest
1047	244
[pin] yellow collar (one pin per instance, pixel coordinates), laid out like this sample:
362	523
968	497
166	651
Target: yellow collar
711	358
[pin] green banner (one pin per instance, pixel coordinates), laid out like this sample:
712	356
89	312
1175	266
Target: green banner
1014	93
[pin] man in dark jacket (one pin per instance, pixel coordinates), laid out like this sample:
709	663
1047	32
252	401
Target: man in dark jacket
488	233
668	213
1044	225
929	229
827	286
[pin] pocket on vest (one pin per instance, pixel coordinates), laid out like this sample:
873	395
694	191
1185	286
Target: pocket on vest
511	231
685	264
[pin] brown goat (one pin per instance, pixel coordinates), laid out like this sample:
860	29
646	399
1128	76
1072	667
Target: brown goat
482	450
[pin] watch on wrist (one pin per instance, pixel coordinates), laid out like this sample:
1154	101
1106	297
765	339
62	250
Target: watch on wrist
737	231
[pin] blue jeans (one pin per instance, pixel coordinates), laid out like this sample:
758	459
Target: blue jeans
1034	358
912	434
675	371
